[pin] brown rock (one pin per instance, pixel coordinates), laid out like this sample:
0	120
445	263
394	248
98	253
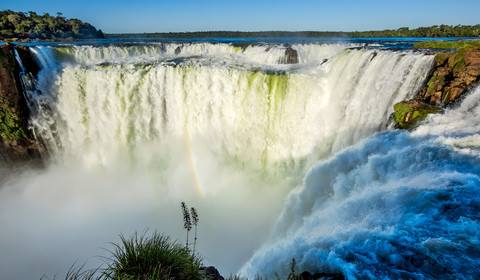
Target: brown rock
291	56
453	74
17	144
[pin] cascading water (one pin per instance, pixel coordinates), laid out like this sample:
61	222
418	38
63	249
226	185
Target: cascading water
114	100
396	206
133	130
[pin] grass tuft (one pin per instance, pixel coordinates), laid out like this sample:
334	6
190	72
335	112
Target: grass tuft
448	45
155	258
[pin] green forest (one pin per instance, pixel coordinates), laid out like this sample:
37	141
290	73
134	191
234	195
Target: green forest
435	31
30	25
232	34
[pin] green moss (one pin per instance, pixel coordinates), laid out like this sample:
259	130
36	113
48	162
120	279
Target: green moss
12	127
459	65
448	45
455	58
441	58
445	97
402	111
433	83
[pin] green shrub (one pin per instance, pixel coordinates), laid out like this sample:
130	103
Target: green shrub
154	258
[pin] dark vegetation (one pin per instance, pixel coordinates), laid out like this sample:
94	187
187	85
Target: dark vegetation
231	34
433	31
13	118
30	25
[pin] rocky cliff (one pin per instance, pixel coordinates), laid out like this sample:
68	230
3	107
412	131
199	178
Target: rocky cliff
452	75
17	143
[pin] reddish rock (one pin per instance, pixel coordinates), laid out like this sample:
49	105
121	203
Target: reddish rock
453	74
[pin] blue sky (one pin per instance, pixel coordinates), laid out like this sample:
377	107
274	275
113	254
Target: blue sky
255	15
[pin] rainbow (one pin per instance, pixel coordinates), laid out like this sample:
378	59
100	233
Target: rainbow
191	160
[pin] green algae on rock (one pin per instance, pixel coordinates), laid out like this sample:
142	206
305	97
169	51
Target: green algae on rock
408	113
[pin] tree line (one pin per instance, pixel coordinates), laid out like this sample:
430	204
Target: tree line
30	25
232	34
432	31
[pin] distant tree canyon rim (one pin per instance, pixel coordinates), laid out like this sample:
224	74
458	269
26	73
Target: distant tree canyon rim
21	26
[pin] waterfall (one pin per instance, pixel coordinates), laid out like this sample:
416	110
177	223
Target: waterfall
134	129
27	81
19	60
106	101
396	206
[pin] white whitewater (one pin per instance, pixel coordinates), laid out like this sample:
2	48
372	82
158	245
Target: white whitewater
396	206
133	130
106	103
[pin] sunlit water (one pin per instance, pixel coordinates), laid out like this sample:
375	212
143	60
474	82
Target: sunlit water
134	129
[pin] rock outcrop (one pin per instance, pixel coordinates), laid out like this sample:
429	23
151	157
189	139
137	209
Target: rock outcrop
27	59
324	276
452	75
291	56
409	113
17	143
210	273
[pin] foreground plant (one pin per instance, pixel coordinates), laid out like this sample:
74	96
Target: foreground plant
187	222
155	257
190	219
142	257
195	223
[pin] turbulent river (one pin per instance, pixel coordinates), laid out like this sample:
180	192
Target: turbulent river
281	160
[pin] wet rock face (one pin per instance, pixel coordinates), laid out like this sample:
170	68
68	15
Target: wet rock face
178	50
17	143
408	113
19	151
291	56
210	273
27	59
452	75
